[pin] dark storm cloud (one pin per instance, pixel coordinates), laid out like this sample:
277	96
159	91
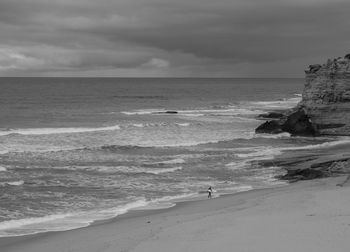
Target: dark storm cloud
169	36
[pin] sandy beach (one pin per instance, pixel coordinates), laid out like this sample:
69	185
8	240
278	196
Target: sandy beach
305	216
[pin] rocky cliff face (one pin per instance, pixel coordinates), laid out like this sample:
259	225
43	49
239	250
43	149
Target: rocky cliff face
325	105
326	96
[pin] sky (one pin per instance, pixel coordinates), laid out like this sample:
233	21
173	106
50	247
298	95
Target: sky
170	38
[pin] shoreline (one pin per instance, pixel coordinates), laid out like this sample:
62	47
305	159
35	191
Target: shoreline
130	230
141	211
287	161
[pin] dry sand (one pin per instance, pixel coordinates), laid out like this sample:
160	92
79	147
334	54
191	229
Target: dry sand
305	216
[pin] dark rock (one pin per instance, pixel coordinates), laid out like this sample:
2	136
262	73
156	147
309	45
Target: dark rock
274	115
330	125
270	127
314	68
304	174
298	123
347	56
167	112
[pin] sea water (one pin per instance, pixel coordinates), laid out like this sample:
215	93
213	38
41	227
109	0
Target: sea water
77	150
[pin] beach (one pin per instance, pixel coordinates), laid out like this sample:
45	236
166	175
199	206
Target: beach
304	216
127	169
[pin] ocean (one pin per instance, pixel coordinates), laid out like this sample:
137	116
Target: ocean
77	150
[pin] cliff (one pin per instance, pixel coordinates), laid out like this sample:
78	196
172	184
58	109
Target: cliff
326	96
325	105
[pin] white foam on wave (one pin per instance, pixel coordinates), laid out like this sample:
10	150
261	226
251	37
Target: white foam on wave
14	224
331	144
12	183
163	170
69	221
229	111
193	115
142	112
138	125
274	136
122	169
49	131
253	154
237	165
261	153
276	104
234	189
183	124
2	169
172	161
167	201
268	153
64	221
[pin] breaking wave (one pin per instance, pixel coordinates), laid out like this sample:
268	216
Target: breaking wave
49	131
12	183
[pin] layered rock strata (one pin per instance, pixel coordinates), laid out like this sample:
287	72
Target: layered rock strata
325	105
326	96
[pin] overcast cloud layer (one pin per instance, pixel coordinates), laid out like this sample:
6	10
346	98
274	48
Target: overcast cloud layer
221	38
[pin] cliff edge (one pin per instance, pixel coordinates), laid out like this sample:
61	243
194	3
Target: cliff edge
326	96
325	105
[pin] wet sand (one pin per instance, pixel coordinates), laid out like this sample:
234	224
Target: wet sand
305	216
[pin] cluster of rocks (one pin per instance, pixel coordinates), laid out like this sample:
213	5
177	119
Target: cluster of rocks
327	169
295	123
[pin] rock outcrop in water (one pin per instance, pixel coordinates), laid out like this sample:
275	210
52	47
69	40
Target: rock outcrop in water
295	123
325	105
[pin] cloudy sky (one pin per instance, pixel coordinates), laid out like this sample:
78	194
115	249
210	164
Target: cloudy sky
164	38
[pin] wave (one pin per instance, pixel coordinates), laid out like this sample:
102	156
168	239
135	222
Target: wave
63	221
167	201
12	183
268	153
233	189
274	136
229	110
163	170
49	131
121	169
172	161
237	165
69	221
277	104
161	124
183	124
118	147
12	224
2	169
245	109
331	144
138	125
142	112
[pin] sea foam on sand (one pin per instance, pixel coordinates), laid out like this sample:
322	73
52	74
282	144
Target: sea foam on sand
305	216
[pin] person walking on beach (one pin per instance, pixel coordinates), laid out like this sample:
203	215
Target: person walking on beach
210	191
